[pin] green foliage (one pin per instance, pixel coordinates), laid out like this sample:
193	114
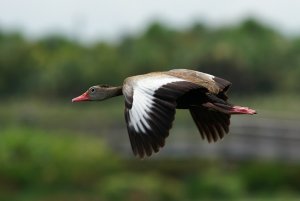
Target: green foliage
285	177
30	157
214	185
254	57
42	165
132	186
16	64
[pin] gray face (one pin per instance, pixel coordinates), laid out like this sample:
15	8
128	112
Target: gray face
97	93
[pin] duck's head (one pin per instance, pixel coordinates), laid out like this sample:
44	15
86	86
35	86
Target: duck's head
96	93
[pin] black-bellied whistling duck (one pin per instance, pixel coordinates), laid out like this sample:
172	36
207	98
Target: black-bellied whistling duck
151	100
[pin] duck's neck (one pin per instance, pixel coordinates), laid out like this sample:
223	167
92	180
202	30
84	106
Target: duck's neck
114	91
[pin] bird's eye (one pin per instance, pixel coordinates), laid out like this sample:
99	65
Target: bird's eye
93	90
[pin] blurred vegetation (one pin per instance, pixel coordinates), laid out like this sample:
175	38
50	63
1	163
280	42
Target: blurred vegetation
49	150
256	58
43	165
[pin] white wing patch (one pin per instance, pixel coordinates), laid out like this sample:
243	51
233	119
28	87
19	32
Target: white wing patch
143	92
150	104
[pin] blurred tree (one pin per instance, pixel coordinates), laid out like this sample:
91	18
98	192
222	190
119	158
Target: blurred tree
16	64
253	56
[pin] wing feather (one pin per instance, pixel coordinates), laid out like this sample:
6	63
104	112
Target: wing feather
214	84
212	125
150	115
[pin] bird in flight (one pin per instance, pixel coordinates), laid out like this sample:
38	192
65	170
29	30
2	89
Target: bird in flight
152	99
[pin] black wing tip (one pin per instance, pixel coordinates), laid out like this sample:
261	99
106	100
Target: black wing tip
143	154
212	125
145	144
221	136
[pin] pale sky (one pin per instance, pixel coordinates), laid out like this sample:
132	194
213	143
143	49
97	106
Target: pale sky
89	20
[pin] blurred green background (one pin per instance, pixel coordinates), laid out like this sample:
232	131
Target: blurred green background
51	149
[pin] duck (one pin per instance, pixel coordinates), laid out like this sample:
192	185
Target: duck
151	101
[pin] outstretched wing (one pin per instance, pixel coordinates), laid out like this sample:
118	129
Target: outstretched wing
212	125
150	110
